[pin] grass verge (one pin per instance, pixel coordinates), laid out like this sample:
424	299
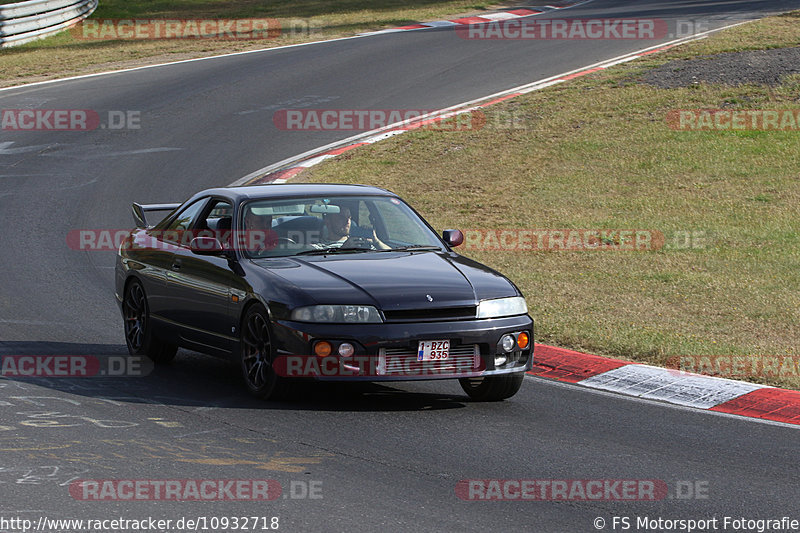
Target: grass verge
597	153
302	20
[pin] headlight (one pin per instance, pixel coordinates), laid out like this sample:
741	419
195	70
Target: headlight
502	307
338	314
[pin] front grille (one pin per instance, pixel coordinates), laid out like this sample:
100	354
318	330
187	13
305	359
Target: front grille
462	359
429	315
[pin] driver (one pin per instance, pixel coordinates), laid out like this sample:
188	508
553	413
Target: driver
258	234
336	233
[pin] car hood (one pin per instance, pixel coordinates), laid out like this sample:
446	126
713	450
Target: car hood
394	280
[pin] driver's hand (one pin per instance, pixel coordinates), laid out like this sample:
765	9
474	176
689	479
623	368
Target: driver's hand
377	243
353	242
374	242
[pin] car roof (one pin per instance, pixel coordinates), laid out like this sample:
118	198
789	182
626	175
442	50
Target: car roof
293	190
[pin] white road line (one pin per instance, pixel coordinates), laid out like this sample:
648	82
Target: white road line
5	148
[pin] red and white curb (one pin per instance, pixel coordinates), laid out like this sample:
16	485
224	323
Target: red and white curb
667	385
284	170
507	14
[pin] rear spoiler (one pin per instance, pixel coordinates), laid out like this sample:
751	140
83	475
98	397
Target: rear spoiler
139	211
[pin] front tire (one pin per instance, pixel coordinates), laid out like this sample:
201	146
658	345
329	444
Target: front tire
256	356
139	335
492	388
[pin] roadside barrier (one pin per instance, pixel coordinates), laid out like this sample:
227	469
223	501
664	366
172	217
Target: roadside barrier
27	21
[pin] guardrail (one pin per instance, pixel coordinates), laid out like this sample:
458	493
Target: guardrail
27	21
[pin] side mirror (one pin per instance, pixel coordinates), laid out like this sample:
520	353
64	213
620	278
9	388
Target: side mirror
453	237
206	246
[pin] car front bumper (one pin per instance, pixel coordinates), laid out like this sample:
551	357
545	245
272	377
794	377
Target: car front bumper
388	351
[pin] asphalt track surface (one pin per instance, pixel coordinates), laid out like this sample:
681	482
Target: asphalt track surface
385	457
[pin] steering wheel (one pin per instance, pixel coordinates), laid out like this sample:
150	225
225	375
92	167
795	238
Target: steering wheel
360	241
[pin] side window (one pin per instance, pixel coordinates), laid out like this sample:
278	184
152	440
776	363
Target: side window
176	230
185	218
217	211
218	220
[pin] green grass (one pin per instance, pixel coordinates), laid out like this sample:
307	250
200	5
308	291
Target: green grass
598	153
305	20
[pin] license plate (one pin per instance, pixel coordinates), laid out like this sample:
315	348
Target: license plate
433	350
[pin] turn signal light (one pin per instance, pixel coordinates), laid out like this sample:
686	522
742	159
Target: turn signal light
523	339
323	348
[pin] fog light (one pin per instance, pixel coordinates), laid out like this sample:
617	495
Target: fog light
323	348
522	340
508	343
500	360
346	349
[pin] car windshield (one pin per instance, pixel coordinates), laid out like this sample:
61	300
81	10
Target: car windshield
332	225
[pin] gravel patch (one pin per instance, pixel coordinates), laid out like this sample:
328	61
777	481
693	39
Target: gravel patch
759	67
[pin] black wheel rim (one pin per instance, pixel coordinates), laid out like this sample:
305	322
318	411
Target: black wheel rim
256	350
135	308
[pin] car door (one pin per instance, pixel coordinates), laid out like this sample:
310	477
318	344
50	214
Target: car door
156	249
199	286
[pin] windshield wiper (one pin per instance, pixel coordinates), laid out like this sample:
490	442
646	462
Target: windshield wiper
413	248
328	251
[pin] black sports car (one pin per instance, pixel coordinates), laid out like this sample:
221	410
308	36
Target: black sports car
338	282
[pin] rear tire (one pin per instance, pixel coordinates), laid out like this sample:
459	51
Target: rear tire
492	388
139	335
257	355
